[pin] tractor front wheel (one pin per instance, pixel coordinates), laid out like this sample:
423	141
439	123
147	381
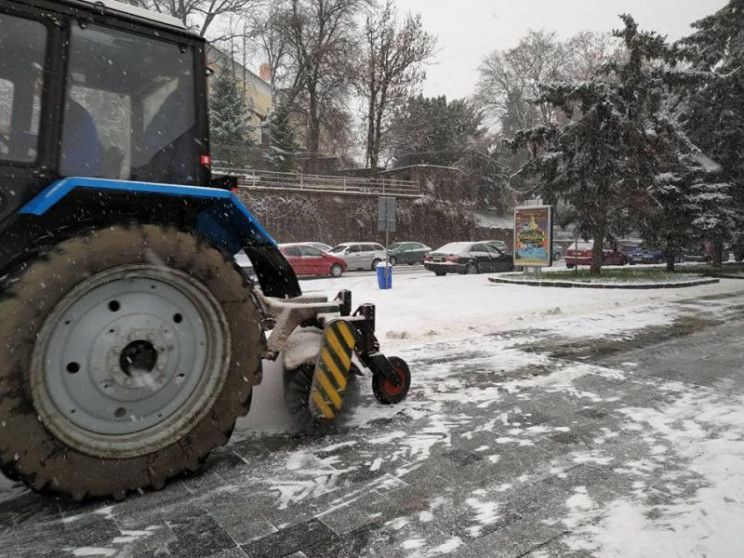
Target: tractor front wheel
131	351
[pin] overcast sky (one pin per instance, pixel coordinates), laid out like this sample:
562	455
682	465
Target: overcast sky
469	29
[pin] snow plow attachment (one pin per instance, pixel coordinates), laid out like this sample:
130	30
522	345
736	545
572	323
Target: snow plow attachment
319	370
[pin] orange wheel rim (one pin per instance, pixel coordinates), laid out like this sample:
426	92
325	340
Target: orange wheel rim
390	387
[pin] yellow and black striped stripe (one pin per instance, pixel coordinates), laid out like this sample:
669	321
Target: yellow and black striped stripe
332	369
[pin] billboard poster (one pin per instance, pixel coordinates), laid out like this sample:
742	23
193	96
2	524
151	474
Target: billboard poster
533	236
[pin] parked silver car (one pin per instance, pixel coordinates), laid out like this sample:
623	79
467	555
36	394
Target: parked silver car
360	255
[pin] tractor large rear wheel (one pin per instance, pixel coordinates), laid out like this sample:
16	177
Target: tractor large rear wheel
128	354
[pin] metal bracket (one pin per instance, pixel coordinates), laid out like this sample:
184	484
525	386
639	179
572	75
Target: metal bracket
288	314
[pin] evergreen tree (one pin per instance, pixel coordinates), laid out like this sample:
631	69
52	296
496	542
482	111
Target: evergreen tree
712	109
433	131
608	162
484	177
281	139
229	120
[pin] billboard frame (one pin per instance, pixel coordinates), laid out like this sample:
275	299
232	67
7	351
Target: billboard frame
521	214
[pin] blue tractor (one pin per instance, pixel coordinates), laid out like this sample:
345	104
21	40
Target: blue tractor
130	342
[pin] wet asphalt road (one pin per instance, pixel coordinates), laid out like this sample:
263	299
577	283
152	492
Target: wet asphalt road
497	452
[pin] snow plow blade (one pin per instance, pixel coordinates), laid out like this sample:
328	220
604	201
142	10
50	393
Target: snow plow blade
332	366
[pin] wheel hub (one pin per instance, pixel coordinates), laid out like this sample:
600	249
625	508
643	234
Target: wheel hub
138	358
129	359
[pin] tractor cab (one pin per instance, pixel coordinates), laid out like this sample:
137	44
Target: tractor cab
98	90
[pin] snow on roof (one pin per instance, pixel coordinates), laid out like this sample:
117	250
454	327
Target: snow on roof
139	12
455	247
488	220
421	166
707	163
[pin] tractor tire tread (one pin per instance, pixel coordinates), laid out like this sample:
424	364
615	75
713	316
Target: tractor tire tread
31	454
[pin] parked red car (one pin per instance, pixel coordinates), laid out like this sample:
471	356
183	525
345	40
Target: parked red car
306	260
581	254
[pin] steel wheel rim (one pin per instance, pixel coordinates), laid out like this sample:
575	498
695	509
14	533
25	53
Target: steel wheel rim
336	270
129	361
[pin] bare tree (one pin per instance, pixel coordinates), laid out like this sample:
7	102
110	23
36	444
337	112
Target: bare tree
393	63
267	28
322	47
509	80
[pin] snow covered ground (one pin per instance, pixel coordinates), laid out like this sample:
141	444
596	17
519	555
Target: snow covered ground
423	308
501	449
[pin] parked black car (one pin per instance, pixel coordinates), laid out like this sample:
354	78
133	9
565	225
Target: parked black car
468	257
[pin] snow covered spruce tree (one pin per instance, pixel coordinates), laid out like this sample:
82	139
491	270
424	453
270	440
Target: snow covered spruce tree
282	141
711	80
229	120
619	160
686	206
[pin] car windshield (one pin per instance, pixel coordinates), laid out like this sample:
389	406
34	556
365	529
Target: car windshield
527	340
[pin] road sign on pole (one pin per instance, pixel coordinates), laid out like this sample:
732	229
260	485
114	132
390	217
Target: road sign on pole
386	214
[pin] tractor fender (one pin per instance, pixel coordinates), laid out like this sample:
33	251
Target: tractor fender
214	214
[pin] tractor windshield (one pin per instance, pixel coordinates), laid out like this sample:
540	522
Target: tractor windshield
22	47
130	111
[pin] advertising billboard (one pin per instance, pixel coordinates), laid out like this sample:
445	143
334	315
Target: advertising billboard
533	236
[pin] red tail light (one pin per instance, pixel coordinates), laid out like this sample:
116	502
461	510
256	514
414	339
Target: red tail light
427	258
205	160
452	258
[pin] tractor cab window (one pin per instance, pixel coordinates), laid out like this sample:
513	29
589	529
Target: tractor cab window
22	47
130	111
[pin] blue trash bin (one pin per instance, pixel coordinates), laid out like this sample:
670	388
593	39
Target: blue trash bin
381	282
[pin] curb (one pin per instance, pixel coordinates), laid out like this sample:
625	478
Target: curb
577	285
724	276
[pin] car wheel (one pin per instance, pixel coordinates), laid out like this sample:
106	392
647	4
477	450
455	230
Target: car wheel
393	260
336	270
472	269
570	266
374	263
440	273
